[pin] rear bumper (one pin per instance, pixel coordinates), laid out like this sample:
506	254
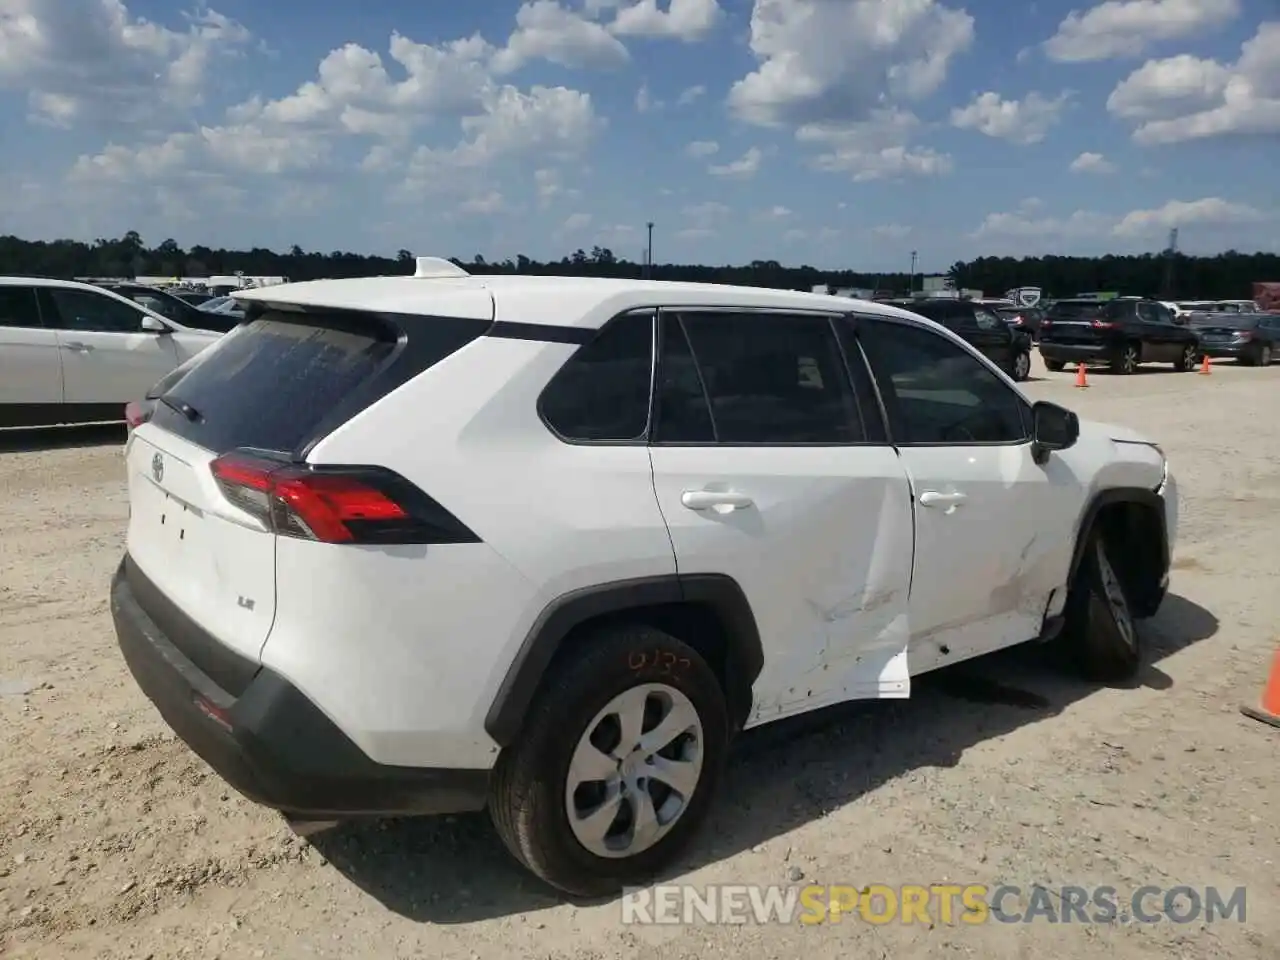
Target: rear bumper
1077	352
270	742
1227	350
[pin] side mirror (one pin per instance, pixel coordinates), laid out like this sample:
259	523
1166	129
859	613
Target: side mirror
152	325
1052	428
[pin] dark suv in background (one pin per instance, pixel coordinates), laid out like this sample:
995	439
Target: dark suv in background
1121	333
173	308
1007	347
1251	338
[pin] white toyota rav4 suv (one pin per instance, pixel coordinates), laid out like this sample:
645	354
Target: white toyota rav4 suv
74	353
412	545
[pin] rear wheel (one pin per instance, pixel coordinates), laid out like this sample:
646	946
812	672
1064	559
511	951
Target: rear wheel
1021	366
1055	366
1187	359
1099	639
1127	360
1264	355
614	771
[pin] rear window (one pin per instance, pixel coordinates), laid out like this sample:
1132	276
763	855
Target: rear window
1071	309
276	381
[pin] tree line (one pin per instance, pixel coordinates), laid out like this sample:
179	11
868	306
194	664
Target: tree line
1227	275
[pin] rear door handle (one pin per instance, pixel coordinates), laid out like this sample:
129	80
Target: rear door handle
77	346
935	498
722	501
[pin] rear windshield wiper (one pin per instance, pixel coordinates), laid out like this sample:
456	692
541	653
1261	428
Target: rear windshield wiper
180	406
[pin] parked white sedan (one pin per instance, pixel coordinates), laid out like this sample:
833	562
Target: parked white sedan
75	353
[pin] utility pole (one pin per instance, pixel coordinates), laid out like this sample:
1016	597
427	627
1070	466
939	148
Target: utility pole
648	258
911	286
1170	253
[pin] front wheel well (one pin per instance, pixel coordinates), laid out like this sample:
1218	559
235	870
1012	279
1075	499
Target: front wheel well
1134	535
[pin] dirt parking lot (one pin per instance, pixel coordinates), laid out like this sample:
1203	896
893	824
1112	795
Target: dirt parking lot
115	841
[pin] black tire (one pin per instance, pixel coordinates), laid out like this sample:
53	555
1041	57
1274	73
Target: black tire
1126	362
528	793
1187	361
1020	369
1055	366
1265	355
1099	640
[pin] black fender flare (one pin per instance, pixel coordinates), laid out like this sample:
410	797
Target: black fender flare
744	657
1110	497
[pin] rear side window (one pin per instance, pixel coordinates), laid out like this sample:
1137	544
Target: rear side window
274	382
602	391
86	312
18	307
770	379
1070	310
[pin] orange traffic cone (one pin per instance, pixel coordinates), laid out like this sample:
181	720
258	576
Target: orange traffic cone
1269	710
1204	365
1081	379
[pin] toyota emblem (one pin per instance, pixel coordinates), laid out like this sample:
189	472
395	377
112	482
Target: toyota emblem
157	467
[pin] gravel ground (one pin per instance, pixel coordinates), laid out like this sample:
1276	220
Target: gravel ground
115	841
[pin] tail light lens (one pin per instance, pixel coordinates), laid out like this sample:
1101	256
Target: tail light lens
335	504
1103	325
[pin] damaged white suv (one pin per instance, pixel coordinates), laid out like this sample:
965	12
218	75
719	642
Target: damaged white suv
410	545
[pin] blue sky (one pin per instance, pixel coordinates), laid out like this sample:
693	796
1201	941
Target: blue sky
830	132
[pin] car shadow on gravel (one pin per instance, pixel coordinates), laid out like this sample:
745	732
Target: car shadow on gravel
455	870
35	439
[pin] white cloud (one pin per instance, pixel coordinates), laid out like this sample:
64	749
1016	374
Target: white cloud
687	20
645	103
690	95
1129	28
1023	225
705	217
874	149
777	212
1092	163
94	60
1188	98
891	231
826	62
550	187
745	167
702	148
484	205
1208	212
547	31
1023	121
575	223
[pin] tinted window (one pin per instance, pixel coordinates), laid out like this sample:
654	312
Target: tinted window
939	392
94	312
273	381
986	320
683	411
18	307
773	379
1074	309
602	391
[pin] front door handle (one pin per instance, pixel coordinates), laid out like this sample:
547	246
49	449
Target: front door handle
935	498
77	346
721	501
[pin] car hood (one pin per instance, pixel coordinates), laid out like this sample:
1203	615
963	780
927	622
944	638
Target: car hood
1116	432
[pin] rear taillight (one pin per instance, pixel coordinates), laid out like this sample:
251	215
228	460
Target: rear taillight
136	414
1046	322
1018	321
1103	324
335	504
